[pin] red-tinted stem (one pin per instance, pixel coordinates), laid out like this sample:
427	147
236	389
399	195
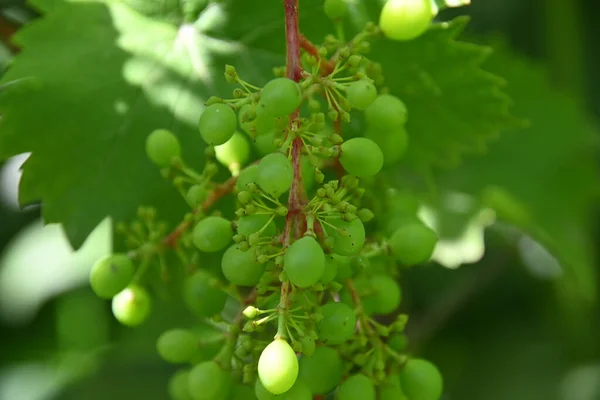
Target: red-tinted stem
292	36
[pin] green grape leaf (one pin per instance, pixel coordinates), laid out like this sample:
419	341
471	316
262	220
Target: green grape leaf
95	78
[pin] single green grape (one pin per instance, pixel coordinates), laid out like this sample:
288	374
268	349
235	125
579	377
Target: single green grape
247	176
233	153
275	174
255	222
278	367
421	380
398	341
405	19
331	269
361	157
338	323
393	144
265	144
212	234
308	345
383	294
162	146
207	381
335	9
323	371
217	124
132	305
304	262
178	385
111	274
246	117
177	345
349	238
361	94
386	113
196	195
356	387
413	243
280	97
241	267
201	295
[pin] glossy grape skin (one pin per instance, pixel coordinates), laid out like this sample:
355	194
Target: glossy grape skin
111	274
361	94
335	9
356	387
275	174
234	152
241	267
253	223
405	19
278	367
201	296
304	262
323	371
421	380
217	124
361	157
177	345
162	146
386	113
393	144
132	306
350	244
280	97
247	176
178	386
338	323
212	234
207	381
413	243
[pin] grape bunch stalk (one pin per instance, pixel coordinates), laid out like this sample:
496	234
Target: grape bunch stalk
309	258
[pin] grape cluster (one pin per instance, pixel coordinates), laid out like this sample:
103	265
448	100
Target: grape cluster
308	264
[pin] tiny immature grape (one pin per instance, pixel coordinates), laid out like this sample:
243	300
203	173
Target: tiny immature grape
217	124
335	9
361	94
413	243
247	176
387	112
275	174
177	345
405	19
278	367
357	387
132	306
280	97
241	267
212	234
304	262
178	385
338	323
361	157
111	274
162	146
421	380
207	381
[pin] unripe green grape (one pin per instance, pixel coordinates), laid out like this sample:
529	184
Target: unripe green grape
308	345
265	144
241	267
335	9
361	94
177	345
201	296
361	157
132	305
280	97
304	262
398	341
405	19
212	234
253	223
233	153
384	294
421	380
162	146
111	274
178	386
247	176
278	367
393	143
356	387
207	381
196	195
413	243
217	124
350	240
323	371
331	269
387	112
275	174
338	323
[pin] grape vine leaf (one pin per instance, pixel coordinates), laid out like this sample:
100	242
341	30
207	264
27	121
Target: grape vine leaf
94	78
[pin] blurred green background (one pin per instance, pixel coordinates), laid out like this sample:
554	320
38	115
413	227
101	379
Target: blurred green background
512	323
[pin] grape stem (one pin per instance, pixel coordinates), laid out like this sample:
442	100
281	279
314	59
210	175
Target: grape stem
325	66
